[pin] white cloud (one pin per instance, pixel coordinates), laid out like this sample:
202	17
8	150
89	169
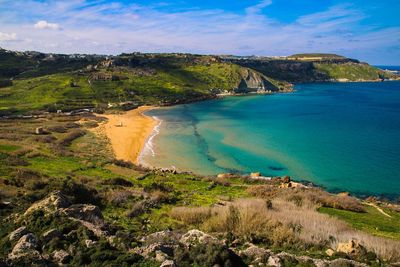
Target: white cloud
113	28
42	24
7	36
259	7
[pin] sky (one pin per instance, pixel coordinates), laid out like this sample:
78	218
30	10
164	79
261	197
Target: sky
368	30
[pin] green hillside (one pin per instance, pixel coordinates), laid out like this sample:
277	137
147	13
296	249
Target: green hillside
138	79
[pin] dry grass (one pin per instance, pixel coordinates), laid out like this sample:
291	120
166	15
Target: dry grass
314	195
285	224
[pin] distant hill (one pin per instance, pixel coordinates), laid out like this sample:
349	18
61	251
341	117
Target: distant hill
38	81
315	56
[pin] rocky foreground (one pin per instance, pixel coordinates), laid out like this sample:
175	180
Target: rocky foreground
87	227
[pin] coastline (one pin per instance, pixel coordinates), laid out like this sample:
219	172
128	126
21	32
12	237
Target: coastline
128	132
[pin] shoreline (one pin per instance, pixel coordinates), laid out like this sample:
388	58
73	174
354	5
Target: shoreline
129	132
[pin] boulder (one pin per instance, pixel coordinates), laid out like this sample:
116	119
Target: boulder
89	216
351	247
255	174
61	256
40	130
17	234
168	263
26	246
146	251
330	252
85	212
274	261
53	202
161	256
162	236
225	175
195	236
51	234
90	243
255	253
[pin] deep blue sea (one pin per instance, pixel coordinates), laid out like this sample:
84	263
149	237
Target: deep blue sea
342	136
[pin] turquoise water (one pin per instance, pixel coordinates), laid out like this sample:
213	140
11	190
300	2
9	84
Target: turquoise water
342	136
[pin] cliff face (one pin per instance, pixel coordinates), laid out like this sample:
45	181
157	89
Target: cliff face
255	82
316	70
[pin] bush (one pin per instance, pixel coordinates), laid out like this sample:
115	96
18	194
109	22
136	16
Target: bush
122	163
163	187
209	254
57	129
118	181
66	141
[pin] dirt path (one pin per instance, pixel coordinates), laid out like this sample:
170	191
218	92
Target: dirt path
378	208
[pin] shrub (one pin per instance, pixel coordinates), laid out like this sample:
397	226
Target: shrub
119	197
118	181
138	209
122	163
57	129
16	161
209	254
66	141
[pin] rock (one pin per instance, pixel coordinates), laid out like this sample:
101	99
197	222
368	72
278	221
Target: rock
195	237
351	247
51	234
256	253
286	179
17	234
61	256
225	175
53	202
89	216
255	174
40	130
161	256
168	263
274	261
330	252
26	246
162	236
90	243
146	251
85	212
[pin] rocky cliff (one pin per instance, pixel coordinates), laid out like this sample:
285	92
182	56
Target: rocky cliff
315	69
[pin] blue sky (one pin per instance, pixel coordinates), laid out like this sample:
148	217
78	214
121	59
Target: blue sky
368	30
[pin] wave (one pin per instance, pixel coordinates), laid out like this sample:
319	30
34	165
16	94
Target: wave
148	148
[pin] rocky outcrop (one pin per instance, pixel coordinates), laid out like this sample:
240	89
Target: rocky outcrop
89	216
26	247
17	234
52	203
51	234
194	237
61	256
260	257
351	247
168	263
255	82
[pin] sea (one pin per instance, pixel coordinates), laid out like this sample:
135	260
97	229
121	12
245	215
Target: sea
340	136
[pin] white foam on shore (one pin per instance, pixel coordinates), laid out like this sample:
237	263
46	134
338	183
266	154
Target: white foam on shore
148	148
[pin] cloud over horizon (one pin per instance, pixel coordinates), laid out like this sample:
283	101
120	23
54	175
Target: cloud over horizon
113	27
42	24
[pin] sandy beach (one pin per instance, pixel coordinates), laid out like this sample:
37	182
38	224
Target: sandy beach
128	132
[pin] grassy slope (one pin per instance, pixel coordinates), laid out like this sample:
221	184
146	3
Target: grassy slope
352	72
32	166
71	90
372	221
